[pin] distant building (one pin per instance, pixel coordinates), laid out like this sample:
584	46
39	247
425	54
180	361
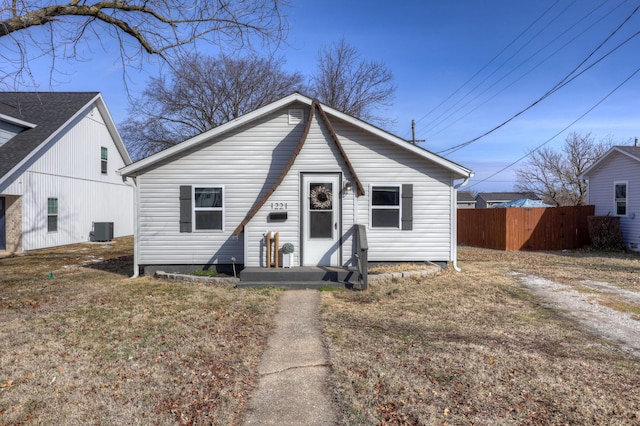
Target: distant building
489	199
59	156
466	200
614	191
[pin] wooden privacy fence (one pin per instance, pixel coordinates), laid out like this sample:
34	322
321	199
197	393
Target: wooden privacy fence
553	228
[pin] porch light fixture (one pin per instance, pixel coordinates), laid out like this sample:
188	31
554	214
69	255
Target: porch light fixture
347	187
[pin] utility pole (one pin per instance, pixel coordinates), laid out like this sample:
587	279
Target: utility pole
413	133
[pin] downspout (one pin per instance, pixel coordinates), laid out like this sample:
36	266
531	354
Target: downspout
134	185
454	227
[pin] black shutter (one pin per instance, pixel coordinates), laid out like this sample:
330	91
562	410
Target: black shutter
407	207
185	208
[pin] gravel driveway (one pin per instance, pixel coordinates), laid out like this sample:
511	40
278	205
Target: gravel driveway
583	307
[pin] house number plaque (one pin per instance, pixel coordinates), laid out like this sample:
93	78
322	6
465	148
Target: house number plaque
278	206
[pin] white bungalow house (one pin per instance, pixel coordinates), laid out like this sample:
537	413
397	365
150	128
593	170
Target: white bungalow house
300	169
613	187
59	156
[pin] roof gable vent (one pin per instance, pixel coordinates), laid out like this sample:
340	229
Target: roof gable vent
296	115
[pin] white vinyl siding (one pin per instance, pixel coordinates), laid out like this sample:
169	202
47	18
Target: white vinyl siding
249	159
615	169
7	131
68	171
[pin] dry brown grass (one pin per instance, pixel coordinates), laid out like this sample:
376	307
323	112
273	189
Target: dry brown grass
476	348
93	347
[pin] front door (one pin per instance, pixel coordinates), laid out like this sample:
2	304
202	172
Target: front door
321	219
3	227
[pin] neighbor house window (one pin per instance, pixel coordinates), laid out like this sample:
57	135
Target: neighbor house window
620	190
208	204
52	215
385	206
103	160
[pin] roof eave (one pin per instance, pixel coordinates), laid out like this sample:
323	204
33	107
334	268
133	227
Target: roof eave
109	122
584	175
216	131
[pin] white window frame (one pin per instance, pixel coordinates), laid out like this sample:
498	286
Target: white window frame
617	200
201	209
398	207
56	214
105	160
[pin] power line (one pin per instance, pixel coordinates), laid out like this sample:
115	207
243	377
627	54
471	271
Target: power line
527	72
488	63
566	80
501	65
561	131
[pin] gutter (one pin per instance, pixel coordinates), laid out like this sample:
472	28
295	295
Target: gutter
134	184
454	227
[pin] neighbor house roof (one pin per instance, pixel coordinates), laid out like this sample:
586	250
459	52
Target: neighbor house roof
42	116
629	151
466	197
137	167
506	196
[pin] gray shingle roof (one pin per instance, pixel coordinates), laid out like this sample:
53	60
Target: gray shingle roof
466	196
507	196
633	150
47	110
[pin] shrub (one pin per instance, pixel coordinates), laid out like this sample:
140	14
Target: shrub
605	232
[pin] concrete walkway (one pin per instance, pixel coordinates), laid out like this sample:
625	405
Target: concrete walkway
293	388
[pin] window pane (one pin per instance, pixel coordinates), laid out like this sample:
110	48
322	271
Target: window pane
385	196
52	223
208	197
387	218
320	196
320	224
208	220
103	153
52	206
621	208
621	190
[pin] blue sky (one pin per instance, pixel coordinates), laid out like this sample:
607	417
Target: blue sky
461	67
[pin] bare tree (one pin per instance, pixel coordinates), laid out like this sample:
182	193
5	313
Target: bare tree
203	93
352	85
553	175
154	27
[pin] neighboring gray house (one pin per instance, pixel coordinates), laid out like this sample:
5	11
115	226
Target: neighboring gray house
301	169
489	199
614	189
59	156
466	200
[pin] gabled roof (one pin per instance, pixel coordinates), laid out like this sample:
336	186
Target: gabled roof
43	115
139	166
632	152
466	197
506	196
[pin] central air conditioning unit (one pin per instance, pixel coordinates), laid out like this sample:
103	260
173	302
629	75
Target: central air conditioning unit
102	231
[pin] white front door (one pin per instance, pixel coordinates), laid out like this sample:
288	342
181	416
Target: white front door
321	219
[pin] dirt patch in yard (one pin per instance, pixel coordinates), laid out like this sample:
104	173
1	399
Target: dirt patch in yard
587	308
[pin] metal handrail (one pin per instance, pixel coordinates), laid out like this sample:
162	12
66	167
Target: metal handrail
362	255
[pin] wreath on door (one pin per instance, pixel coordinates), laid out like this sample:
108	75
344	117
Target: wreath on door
321	197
